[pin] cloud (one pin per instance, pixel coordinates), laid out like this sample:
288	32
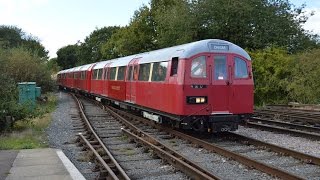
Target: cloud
313	23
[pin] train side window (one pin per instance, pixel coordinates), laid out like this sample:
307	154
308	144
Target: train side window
198	67
220	68
94	74
174	66
113	72
144	72
159	71
240	69
100	74
121	72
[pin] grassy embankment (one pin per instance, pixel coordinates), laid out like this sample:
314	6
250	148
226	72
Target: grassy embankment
30	133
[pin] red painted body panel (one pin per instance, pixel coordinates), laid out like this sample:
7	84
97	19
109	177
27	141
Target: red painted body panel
97	86
117	90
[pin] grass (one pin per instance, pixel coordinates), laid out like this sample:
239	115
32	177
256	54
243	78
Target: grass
30	133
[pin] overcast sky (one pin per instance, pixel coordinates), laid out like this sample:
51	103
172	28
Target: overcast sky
58	23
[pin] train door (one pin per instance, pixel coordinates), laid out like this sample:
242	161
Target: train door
221	80
132	77
242	86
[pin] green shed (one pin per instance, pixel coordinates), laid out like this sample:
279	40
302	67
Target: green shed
38	92
27	92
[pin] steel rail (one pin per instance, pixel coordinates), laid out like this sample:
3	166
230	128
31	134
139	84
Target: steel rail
288	116
308	135
285	124
111	174
87	123
299	155
222	151
185	165
172	159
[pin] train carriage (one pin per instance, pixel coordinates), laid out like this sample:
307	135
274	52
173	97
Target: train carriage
85	78
204	85
97	78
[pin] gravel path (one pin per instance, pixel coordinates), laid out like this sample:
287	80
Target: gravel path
61	135
288	141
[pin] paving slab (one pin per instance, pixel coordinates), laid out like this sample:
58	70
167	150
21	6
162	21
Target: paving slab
46	163
6	160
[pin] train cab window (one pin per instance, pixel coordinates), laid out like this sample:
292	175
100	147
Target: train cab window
198	67
159	71
100	71
113	72
174	66
144	72
121	72
220	68
240	68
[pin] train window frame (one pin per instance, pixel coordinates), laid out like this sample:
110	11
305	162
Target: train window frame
123	69
105	75
75	75
155	71
199	69
174	66
113	73
142	70
130	74
94	74
236	72
99	74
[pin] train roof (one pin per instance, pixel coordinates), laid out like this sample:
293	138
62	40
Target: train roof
86	67
180	51
100	64
190	49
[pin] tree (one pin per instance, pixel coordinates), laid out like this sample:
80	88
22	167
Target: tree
68	56
136	38
304	84
14	37
52	65
90	50
253	24
174	22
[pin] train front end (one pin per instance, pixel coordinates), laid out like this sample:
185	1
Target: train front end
218	88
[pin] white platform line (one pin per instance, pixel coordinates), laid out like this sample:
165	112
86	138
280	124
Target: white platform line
74	172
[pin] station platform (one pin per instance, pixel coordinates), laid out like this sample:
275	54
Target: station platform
30	164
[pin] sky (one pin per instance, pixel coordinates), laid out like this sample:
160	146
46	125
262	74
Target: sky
59	23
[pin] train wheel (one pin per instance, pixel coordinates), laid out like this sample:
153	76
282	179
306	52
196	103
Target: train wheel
198	125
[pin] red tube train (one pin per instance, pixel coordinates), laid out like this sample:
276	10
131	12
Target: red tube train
203	85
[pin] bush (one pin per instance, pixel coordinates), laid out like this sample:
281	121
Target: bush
271	72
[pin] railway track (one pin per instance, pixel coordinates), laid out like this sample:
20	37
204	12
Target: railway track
278	152
310	132
108	128
301	117
156	138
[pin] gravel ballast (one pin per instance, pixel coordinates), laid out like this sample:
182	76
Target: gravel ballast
300	144
61	135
